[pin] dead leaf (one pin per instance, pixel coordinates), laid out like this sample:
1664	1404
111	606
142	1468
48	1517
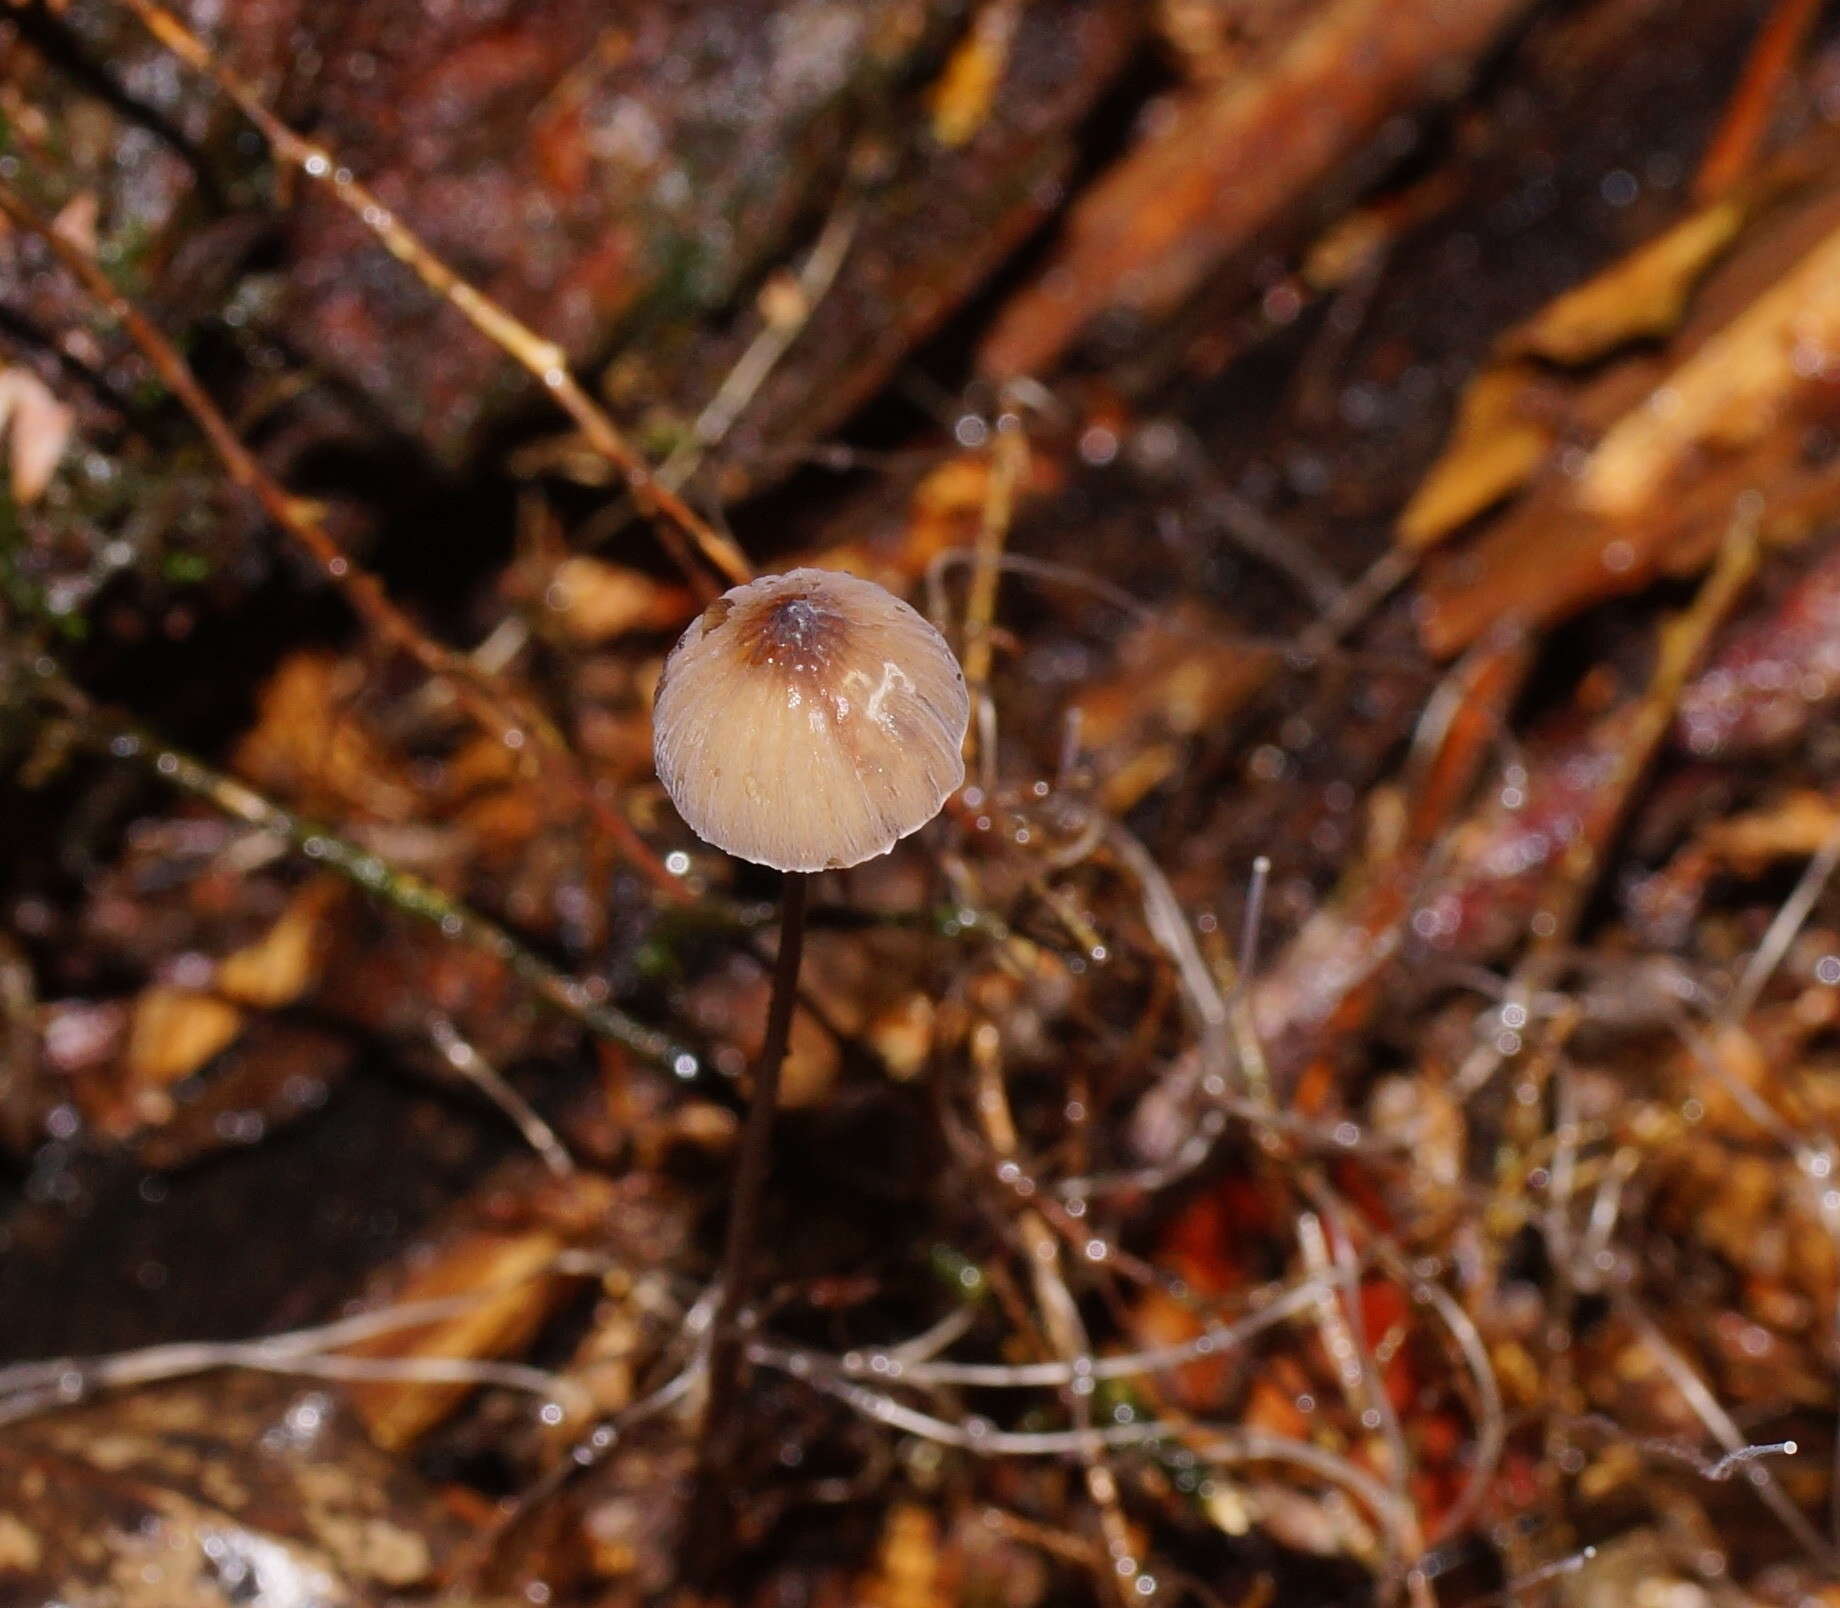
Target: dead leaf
846	980
594	601
283	964
1643	295
945	510
1649	458
1213	39
175	1031
37	427
1507	420
1729	392
277	1072
1636	1568
902	1035
211	1493
1355	245
964	92
1501	435
501	1271
310	745
1176	678
1795	826
1222	164
910	1570
76	221
505	1272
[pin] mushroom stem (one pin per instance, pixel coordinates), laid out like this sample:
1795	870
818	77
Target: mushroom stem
711	1506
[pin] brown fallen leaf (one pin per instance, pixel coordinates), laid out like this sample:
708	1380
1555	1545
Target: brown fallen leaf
1505	426
1225	163
77	219
1355	245
848	985
902	1035
211	1493
277	1072
174	1032
501	1266
37	427
1177	678
310	745
1728	393
1211	40
944	511
1544	561
962	95
1639	466
1643	295
1797	825
910	1569
594	601
283	963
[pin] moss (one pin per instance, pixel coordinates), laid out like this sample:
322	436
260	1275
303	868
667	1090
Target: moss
186	569
21	589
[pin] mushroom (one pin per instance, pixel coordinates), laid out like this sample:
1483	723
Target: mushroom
808	722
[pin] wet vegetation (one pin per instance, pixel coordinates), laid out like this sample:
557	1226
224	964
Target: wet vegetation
1342	1108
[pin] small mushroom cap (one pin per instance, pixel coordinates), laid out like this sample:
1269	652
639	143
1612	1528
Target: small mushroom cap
808	721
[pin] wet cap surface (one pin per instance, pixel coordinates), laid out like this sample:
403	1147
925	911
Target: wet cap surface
809	721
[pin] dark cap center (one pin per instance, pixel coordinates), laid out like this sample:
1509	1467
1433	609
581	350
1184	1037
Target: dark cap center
797	632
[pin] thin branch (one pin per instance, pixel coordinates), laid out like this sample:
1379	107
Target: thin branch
776	337
402	890
29	1388
1732	153
1724	1429
361	590
458	1052
1781	933
1060	1316
1009	460
681	527
890	1364
505	718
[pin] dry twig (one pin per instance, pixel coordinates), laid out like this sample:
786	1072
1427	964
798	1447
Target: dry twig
683	529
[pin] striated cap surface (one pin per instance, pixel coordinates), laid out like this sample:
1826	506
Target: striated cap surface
809	721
